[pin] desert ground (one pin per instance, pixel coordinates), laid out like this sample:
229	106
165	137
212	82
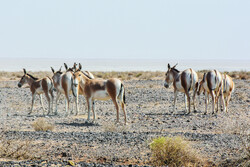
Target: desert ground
221	139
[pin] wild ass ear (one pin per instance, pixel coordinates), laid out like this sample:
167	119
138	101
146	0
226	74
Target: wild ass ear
24	71
60	69
169	66
80	66
74	66
175	65
52	70
66	67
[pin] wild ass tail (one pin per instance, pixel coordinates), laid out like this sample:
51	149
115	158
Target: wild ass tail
192	78
72	89
122	93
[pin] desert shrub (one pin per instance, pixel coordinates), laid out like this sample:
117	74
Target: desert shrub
15	149
111	127
42	125
173	151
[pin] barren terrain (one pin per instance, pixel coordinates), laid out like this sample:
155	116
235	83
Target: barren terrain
218	138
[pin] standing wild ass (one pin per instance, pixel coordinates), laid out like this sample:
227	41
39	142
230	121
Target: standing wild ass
183	82
80	90
228	88
212	83
99	89
63	85
38	86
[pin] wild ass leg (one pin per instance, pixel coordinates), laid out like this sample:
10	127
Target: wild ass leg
175	96
206	102
114	99
188	98
185	101
124	112
48	99
227	101
89	107
222	100
93	110
120	98
194	93
76	102
52	99
57	98
213	100
66	104
41	101
32	103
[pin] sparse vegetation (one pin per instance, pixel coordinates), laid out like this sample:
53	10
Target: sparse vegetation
42	125
173	151
142	75
111	127
15	149
240	127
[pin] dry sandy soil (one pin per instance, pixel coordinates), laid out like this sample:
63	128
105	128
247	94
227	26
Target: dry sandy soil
217	138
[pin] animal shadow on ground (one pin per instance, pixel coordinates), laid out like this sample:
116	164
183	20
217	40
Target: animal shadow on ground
77	124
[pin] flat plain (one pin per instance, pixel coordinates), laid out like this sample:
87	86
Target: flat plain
220	139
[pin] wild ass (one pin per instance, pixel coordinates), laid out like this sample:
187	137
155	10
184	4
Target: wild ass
183	82
99	89
38	86
228	88
212	83
63	83
80	91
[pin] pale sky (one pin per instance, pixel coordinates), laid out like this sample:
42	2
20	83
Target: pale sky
128	29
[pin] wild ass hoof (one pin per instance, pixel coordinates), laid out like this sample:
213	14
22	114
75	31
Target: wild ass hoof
195	111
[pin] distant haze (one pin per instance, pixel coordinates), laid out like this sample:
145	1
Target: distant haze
44	64
128	29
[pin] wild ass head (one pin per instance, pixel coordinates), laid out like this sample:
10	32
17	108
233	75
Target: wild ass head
78	79
56	75
25	78
170	75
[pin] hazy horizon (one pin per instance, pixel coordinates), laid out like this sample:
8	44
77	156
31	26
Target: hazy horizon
44	64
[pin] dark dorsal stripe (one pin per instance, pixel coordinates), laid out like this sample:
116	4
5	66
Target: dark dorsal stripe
86	75
209	81
32	77
175	70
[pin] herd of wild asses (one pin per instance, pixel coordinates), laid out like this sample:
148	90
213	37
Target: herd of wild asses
78	82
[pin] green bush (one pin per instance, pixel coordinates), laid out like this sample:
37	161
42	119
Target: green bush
173	151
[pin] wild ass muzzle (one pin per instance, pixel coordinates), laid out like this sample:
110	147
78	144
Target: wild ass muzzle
100	89
38	86
183	82
212	83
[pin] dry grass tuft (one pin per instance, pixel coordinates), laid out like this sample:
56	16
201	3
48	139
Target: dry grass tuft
15	149
173	151
42	125
111	127
239	126
141	75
